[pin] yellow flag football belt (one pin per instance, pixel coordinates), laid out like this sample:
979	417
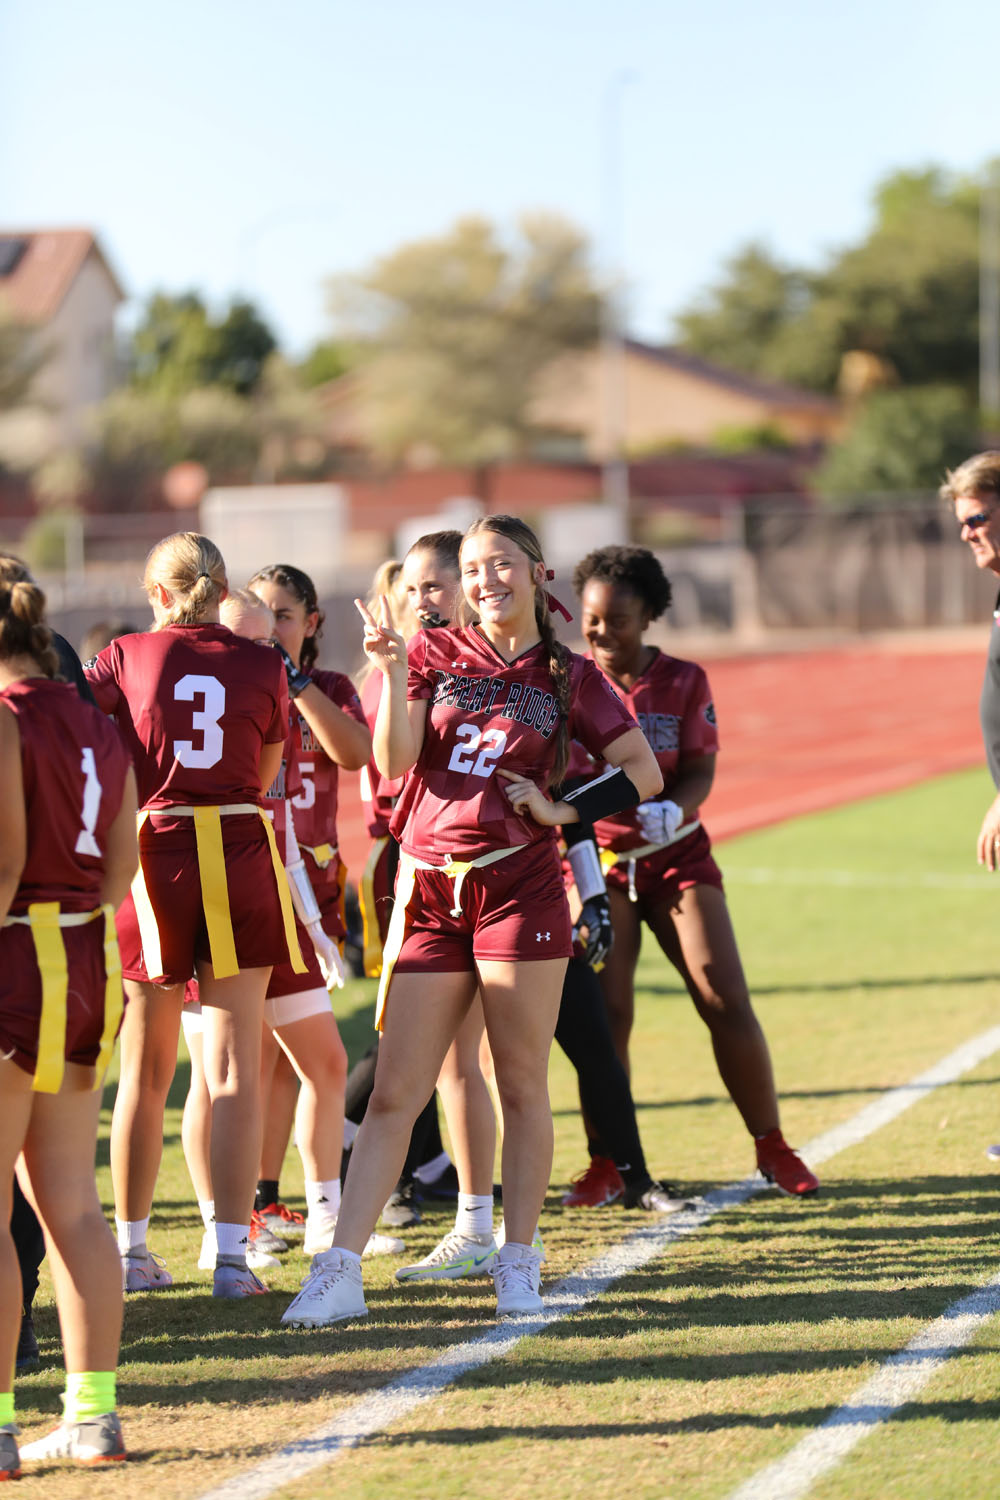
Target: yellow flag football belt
405	881
214	890
45	920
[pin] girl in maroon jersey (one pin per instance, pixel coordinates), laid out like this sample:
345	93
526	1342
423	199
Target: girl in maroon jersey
661	868
329	732
205	714
67	855
481	717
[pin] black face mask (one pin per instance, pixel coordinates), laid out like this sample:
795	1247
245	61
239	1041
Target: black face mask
432	621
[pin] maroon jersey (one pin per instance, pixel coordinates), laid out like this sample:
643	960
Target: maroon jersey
378	793
486	713
316	803
74	765
195	704
672	703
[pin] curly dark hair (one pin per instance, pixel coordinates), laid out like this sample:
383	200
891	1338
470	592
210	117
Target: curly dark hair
633	568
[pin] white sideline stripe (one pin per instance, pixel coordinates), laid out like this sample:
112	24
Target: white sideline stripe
898	1382
928	879
381	1409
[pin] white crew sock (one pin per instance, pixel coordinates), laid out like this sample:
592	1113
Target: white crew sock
474	1215
231	1243
131	1234
206	1207
323	1199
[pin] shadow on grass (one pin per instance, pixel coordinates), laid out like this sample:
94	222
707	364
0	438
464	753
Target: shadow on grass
672	989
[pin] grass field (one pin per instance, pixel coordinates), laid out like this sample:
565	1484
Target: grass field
870	940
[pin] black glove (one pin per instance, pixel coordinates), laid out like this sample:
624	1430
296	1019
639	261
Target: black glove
298	680
595	915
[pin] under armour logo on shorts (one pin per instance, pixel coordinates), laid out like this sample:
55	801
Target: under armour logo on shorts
542	937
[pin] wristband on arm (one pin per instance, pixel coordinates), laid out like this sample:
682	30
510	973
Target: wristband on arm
298	680
604	796
588	876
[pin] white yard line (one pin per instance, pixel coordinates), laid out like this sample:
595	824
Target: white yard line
378	1411
898	1382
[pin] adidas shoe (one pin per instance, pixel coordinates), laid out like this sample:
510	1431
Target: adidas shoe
779	1164
601	1183
330	1293
10	1460
98	1440
262	1237
516	1273
283	1221
142	1271
402	1211
657	1198
457	1255
236	1281
993	1153
383	1244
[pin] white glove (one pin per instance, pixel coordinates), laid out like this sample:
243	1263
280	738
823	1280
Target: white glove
659	821
328	957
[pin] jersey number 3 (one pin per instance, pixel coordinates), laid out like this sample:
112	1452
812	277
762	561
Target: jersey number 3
204	720
491	744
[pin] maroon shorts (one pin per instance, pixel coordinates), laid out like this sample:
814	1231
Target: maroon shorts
285	981
659	878
170	867
515	909
21	994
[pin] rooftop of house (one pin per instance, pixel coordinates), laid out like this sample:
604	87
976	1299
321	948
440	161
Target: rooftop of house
38	267
686	363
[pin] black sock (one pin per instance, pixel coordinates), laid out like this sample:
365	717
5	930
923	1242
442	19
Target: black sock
267	1193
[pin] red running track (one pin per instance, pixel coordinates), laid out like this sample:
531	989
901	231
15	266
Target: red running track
804	731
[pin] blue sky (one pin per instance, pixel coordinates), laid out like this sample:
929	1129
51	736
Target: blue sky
241	146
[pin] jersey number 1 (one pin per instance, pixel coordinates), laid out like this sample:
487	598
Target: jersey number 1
86	842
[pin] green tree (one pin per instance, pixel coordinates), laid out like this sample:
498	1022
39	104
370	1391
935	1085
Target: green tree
901	441
327	360
909	293
178	347
452	333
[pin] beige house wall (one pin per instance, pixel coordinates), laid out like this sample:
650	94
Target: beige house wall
660	405
81	368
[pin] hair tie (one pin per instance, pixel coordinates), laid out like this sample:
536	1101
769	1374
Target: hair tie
555	607
203	575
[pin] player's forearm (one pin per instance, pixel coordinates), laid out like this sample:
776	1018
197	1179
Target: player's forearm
394	742
345	740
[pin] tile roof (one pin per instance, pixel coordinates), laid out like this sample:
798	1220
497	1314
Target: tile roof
735	380
45	269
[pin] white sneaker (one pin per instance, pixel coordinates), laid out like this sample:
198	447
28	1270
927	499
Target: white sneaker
319	1236
330	1293
536	1243
96	1440
457	1255
516	1272
384	1244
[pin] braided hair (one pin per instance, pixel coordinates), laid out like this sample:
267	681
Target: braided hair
191	567
302	588
632	568
23	631
522	536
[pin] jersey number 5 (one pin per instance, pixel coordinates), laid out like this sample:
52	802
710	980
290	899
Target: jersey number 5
491	744
204	720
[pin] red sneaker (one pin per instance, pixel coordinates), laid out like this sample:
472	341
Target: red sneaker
779	1164
601	1183
283	1221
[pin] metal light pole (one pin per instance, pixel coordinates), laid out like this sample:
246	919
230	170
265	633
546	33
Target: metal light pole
614	465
